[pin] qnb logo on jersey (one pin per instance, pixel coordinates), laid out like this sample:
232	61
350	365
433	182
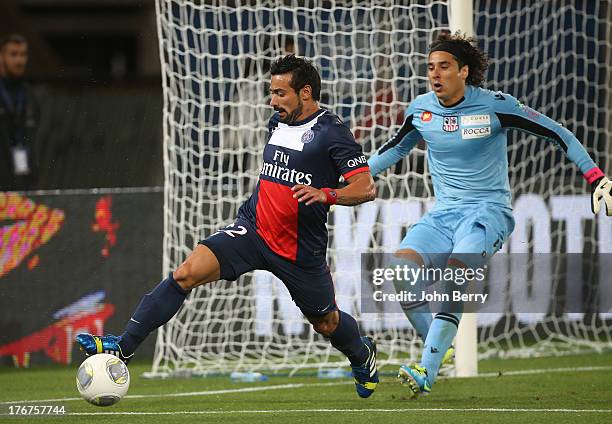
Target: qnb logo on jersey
285	174
450	123
426	116
361	160
475	132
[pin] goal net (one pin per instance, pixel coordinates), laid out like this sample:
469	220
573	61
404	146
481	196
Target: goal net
555	57
372	57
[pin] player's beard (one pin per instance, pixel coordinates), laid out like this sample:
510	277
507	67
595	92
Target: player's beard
294	114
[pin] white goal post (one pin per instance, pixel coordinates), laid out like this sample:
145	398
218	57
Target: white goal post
554	56
461	18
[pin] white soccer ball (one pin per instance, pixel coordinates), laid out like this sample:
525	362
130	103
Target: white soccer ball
103	379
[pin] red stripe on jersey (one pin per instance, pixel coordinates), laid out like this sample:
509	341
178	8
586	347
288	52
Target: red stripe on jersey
356	171
277	218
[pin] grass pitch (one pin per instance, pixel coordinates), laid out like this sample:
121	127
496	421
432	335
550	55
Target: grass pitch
544	390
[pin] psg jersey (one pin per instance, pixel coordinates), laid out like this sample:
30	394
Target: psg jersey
316	151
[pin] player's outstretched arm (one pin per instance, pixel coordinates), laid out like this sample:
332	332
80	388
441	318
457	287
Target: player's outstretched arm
396	148
513	114
360	189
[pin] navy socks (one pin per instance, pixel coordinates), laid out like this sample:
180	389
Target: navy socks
154	310
346	339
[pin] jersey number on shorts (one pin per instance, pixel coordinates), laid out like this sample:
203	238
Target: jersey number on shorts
240	231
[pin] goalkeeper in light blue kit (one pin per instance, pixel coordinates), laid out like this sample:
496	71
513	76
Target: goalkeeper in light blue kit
465	128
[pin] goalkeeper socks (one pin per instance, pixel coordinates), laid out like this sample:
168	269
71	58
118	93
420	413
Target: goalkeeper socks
441	334
346	339
155	309
418	313
420	318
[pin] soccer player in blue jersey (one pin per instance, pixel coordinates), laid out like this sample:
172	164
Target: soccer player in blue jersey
281	227
464	127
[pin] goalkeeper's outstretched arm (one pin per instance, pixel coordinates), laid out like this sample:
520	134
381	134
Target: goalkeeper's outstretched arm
513	114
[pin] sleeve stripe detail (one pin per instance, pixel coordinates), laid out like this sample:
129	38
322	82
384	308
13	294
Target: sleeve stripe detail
516	121
399	136
356	171
593	175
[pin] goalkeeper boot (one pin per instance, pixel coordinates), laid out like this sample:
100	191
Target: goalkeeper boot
449	356
415	377
93	345
366	375
448	362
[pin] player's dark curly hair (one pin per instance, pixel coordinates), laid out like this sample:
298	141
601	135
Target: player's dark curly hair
302	71
467	52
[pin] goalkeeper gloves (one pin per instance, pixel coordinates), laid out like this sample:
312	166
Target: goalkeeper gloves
601	189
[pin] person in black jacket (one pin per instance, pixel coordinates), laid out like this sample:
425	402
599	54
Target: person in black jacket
19	117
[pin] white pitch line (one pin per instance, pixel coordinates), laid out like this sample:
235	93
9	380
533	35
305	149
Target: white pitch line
543	371
284	411
300	385
201	393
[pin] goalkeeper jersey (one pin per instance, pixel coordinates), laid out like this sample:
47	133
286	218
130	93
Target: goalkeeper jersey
314	152
467	144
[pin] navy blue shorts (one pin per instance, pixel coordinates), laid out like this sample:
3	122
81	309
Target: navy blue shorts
239	249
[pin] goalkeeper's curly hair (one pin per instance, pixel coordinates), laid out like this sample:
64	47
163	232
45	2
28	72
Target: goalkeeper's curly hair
476	60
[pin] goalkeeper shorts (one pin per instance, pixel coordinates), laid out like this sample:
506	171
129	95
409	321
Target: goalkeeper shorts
479	230
239	249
